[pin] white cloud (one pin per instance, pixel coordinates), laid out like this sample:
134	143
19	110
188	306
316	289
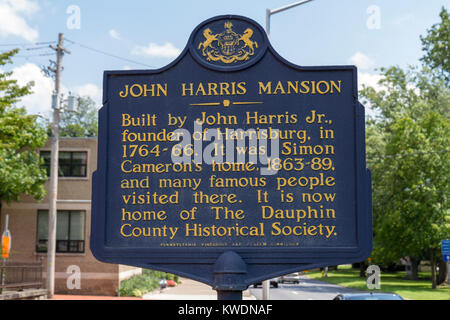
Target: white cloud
91	90
362	61
26	6
369	80
167	50
12	21
39	102
114	34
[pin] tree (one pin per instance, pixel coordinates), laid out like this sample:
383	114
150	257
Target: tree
408	151
83	122
20	136
436	46
412	180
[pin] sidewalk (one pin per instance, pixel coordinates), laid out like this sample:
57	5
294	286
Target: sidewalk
79	297
189	290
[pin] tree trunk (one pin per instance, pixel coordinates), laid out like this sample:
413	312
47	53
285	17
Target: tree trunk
433	268
362	268
442	274
414	268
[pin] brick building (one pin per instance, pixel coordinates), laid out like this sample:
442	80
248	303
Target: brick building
28	223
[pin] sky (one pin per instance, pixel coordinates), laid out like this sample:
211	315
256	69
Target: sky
146	34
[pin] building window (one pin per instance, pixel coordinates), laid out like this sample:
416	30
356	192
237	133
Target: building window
71	163
70	227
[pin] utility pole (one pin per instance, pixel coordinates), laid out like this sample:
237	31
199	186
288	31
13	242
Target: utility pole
269	13
53	192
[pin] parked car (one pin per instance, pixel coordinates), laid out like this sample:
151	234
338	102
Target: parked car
273	283
291	277
162	283
368	296
171	283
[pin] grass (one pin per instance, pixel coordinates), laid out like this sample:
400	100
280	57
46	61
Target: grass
394	282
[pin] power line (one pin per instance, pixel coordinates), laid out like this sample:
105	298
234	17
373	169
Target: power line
109	54
37	48
25	44
30	47
34	55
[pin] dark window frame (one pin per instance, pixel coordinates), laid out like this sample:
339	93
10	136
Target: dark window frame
71	165
71	246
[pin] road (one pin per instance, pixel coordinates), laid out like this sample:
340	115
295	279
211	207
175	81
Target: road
307	289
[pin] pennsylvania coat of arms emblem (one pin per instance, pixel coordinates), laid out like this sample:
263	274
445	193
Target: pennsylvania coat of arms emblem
228	46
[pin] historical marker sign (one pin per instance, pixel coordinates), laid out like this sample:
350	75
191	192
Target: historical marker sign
445	249
231	160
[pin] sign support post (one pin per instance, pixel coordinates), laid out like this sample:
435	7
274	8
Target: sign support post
229	274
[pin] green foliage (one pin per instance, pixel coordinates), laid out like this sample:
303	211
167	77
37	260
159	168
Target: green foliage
408	152
141	284
394	282
411	212
138	285
20	136
10	91
83	122
437	48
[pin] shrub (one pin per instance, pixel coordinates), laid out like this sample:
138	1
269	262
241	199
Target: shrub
139	285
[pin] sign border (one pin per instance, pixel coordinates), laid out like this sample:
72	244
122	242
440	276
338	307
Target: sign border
280	259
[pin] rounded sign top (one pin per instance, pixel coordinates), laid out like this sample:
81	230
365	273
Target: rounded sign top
228	43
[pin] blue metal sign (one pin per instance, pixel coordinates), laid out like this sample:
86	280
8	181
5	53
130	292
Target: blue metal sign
231	165
445	248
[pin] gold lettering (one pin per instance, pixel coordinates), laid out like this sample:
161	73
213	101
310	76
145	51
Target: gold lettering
190	89
305	85
242	89
267	89
279	88
335	86
201	89
162	89
212	88
123	94
327	86
134	94
292	86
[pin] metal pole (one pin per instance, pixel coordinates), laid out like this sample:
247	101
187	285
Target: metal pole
229	275
289	6
266	284
448	273
268	13
266	290
281	9
53	192
6	221
229	295
4	259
